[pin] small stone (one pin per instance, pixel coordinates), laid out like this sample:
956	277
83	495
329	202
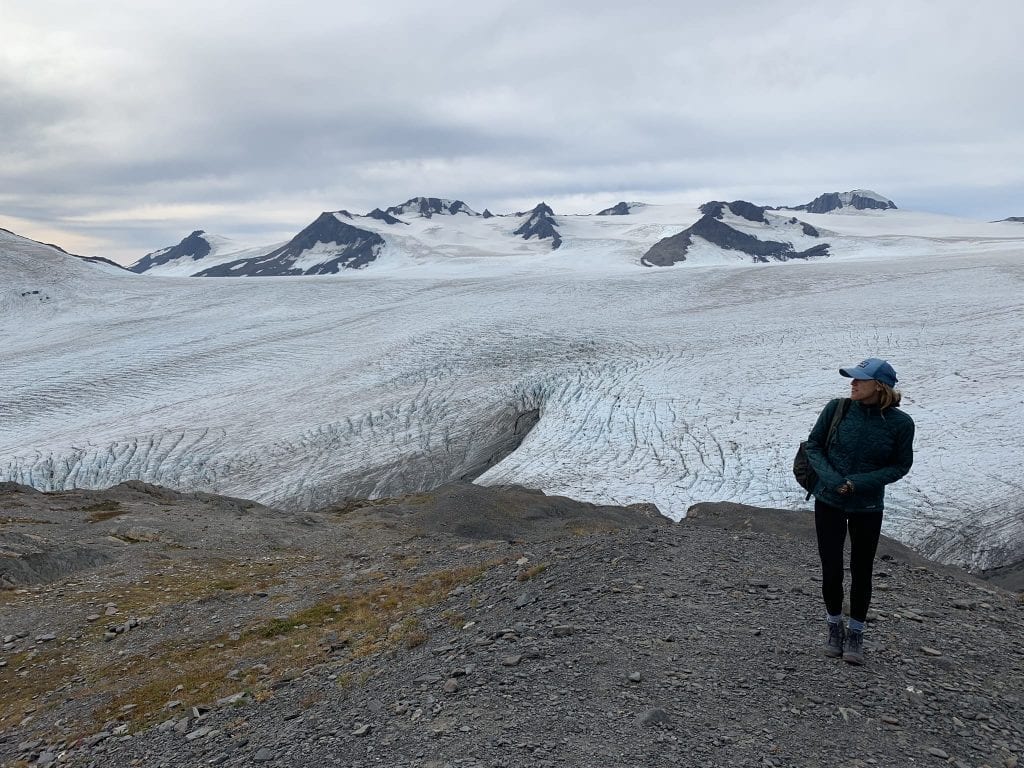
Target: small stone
451	685
232	699
654	716
264	755
635	677
111	610
511	661
562	630
890	719
362	729
198	733
930	651
936	752
92	617
45	638
96	738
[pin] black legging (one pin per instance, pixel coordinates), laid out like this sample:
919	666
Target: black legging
831	525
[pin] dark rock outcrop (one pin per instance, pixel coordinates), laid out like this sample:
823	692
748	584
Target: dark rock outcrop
740	208
429	206
807	228
355	248
1018	219
672	250
619	209
540	224
859	199
387	218
487	214
194	247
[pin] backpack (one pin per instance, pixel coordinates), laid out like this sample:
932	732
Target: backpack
802	469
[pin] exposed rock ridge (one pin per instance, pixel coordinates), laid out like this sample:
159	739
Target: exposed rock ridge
481	626
429	206
619	209
384	216
858	199
195	246
716	209
673	249
540	224
355	248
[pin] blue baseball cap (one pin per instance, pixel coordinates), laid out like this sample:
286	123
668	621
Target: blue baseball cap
872	368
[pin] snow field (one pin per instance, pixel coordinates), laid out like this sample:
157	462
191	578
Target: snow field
672	386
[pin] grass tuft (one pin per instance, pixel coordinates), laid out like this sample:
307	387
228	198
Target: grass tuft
532	572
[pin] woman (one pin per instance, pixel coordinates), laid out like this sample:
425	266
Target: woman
871	447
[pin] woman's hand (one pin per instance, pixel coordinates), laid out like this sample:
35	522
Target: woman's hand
845	488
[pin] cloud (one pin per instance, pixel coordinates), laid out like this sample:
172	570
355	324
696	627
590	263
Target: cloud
131	118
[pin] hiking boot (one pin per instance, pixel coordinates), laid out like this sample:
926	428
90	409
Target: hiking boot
854	652
834	643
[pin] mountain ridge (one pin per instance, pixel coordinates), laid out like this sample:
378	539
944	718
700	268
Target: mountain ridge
543	631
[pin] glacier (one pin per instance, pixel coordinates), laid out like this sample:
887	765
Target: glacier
672	386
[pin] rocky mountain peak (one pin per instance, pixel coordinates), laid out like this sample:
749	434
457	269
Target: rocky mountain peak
195	246
710	227
387	218
326	246
619	209
430	206
858	199
716	209
540	224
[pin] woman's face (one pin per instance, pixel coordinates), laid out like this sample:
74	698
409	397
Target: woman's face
865	391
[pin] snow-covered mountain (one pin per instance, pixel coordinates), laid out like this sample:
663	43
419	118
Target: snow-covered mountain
858	199
540	223
13	244
741	227
443	233
328	245
427	207
673	386
620	209
196	253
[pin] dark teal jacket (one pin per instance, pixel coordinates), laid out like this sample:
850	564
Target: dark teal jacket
872	448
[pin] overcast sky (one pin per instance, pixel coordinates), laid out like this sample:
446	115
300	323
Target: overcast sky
126	124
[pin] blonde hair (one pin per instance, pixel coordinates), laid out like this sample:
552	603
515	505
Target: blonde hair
889	397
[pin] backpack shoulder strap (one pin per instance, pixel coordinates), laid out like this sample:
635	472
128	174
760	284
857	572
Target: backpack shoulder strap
837	416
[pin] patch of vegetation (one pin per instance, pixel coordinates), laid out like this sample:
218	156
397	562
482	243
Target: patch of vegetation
406	561
104	510
352	505
10	520
532	572
454	619
365	622
585	527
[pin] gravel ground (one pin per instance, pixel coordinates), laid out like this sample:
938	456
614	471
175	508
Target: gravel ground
478	627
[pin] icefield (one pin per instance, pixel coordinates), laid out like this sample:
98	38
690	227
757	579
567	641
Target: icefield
673	385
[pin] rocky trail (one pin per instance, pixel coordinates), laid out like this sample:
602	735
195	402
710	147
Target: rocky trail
477	627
